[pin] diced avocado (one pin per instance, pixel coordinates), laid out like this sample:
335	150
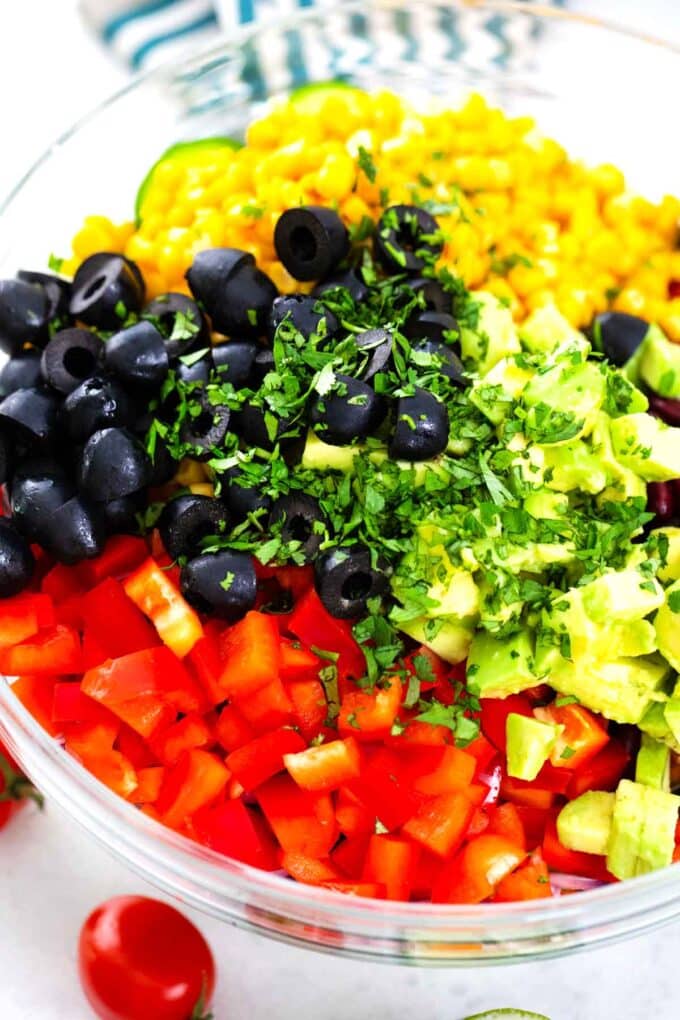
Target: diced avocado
456	593
623	483
320	456
546	329
457	447
546	505
585	824
529	459
575	390
671	714
495	392
643	830
654	723
574	466
636	637
621	595
670	570
500	666
667	626
449	639
653	764
659	364
647	445
529	745
495	336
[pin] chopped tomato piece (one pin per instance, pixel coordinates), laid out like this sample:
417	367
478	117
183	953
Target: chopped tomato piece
314	625
263	757
391	861
191	731
196	780
505	820
325	767
149	782
582	737
440	823
601	772
153	591
122	553
238	831
494	714
232	729
370	715
50	652
477	870
115	622
251	655
310	870
267	708
302	822
310	707
531	881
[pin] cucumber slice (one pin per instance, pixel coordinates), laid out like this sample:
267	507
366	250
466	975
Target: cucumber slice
188	153
308	99
508	1014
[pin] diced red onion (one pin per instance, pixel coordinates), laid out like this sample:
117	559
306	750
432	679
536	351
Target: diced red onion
572	883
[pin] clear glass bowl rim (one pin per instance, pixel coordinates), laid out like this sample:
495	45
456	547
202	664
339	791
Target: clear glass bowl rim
222	886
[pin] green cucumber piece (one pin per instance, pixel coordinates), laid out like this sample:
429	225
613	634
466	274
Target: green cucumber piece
184	150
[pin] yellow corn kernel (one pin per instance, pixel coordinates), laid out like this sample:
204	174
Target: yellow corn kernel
336	177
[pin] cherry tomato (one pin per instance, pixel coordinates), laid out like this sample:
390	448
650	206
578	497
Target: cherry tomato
15	788
141	959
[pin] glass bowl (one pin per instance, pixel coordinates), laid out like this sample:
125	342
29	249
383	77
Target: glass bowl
590	85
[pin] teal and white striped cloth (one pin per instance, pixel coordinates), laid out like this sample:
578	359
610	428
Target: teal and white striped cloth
146	33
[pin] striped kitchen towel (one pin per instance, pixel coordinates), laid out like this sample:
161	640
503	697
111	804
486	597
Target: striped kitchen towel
146	33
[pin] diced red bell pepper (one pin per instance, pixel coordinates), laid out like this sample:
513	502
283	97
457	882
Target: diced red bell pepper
391	861
263	757
189	732
61	583
205	661
52	652
505	820
533	821
115	621
237	831
70	612
494	714
452	773
22	616
310	707
296	580
440	823
309	870
135	747
71	705
582	737
302	822
352	816
297	662
196	780
482	751
428	665
153	591
367	890
152	672
313	624
325	767
122	553
145	714
92	744
602	772
531	881
267	708
479	823
519	792
572	862
149	782
92	652
349	855
427	871
370	715
232	729
91	738
36	694
251	655
382	789
417	734
477	870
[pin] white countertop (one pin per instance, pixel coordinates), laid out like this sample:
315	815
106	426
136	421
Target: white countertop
53	875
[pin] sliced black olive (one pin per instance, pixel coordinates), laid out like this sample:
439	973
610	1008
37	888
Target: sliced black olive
310	241
187	520
57	292
618	335
210	271
71	356
234	361
263	364
437	298
180	321
105	290
301	522
30	416
192	369
39	487
20	372
163	464
422	428
379	343
222	583
350	280
137	355
6	459
432	326
113	464
23	315
305	313
206	430
446	361
239	497
76	531
120	515
251	426
98	403
345	581
406	240
16	560
351	410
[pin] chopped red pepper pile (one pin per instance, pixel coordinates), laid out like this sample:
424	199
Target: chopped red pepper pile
256	740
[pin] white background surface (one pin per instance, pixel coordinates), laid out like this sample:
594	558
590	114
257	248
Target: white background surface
52	875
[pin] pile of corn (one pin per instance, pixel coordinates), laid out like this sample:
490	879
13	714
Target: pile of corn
520	218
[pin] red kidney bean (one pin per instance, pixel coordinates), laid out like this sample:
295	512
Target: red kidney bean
665	408
660	499
673	289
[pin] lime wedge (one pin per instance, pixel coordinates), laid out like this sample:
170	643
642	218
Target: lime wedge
308	99
507	1014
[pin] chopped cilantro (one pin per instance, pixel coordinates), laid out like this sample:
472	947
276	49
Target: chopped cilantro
366	164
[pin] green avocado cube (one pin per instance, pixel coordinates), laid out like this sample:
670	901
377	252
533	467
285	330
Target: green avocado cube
670	565
494	337
643	830
572	466
529	745
546	329
577	391
449	639
647	446
667	626
498	666
621	595
653	764
657	841
659	364
585	824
